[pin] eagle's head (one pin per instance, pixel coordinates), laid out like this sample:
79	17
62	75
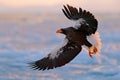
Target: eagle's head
66	31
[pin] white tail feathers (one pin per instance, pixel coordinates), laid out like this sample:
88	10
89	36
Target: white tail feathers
98	45
95	38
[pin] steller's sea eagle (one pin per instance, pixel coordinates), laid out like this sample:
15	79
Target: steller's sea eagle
76	37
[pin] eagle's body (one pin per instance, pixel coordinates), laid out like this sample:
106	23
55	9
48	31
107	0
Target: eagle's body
76	37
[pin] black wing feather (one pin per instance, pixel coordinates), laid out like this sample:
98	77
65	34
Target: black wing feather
89	26
66	14
70	50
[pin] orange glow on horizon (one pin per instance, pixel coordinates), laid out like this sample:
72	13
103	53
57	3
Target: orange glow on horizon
26	3
102	5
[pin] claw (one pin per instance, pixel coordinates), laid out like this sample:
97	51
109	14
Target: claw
92	50
90	55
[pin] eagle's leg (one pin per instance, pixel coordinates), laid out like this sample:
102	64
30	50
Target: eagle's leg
92	50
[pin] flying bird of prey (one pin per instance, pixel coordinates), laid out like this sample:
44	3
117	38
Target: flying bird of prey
75	38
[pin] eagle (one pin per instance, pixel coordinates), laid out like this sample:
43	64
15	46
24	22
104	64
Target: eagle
75	37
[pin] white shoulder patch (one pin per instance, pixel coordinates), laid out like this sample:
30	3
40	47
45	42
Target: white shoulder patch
58	50
79	22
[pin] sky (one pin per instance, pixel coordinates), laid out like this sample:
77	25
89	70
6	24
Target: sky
97	5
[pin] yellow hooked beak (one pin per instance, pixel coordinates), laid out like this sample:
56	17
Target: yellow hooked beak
59	31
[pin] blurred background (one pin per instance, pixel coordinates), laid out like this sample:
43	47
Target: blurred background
27	33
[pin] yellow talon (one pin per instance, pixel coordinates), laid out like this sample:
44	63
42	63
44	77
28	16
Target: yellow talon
92	50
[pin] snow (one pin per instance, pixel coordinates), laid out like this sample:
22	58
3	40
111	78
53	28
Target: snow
22	42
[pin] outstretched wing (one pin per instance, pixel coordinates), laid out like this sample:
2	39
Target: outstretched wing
86	21
57	58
